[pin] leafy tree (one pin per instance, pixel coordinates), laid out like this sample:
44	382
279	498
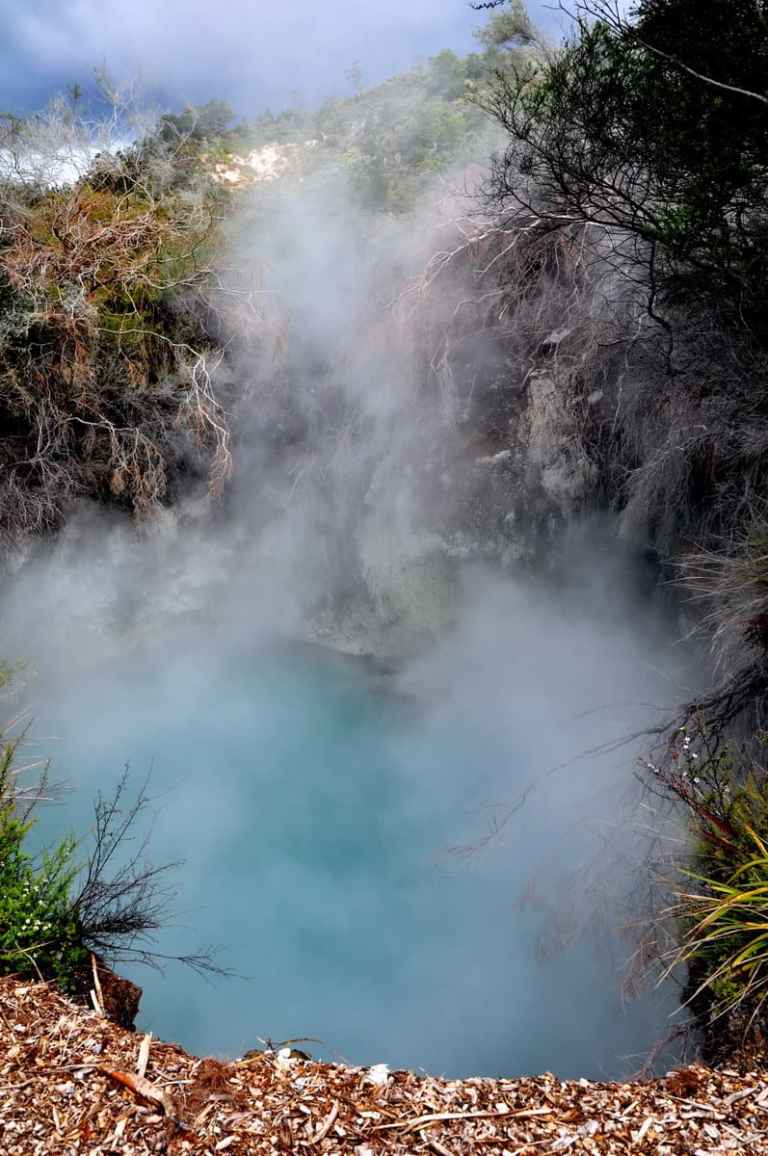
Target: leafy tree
197	122
475	66
656	129
354	76
447	75
507	28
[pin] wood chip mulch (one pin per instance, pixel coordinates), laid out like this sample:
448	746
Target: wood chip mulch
73	1082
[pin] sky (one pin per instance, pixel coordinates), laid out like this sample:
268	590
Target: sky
253	53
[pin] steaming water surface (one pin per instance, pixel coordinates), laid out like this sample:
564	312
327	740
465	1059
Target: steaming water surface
314	809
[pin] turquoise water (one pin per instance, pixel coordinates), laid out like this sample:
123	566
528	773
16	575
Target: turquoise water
315	809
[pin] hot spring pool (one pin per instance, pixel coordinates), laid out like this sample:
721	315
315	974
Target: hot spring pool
314	807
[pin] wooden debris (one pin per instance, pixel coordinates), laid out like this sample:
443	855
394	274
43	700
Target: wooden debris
143	1060
325	1128
139	1085
71	1084
419	1121
97	995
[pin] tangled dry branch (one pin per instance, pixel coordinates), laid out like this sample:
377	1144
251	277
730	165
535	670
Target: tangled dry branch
107	369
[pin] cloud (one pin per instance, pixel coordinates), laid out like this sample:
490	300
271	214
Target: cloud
249	52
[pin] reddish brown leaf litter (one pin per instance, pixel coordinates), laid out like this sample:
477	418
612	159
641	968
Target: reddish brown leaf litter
73	1082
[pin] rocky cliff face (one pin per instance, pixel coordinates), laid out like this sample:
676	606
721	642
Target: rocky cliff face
413	395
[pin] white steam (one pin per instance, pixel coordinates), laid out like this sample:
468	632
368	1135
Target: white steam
339	527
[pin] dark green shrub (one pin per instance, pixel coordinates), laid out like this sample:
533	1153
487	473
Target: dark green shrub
58	908
39	933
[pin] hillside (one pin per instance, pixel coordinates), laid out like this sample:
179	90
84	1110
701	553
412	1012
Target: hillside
391	140
116	312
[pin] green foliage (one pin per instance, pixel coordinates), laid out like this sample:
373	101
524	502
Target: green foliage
507	28
726	937
56	911
8	674
398	135
447	75
392	138
722	892
197	122
40	935
617	130
291	126
396	151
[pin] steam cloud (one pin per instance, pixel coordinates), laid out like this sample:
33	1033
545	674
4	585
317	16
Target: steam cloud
338	525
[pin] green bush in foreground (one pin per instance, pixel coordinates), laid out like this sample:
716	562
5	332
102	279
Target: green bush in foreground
721	899
56	910
728	932
39	932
